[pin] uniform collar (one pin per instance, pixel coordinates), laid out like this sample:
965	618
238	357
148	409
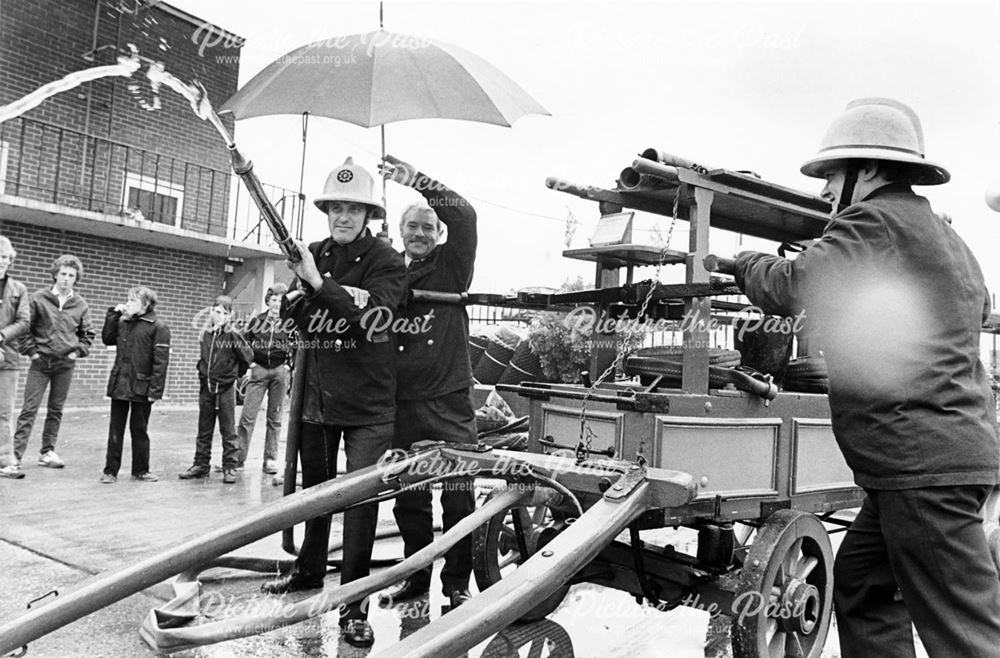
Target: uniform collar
351	250
417	262
891	188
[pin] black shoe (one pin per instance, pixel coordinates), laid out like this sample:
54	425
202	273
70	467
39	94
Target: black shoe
229	476
404	591
293	582
194	472
357	633
458	597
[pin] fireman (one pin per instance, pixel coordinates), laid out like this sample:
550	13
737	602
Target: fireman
898	299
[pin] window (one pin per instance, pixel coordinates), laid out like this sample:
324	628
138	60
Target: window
153	200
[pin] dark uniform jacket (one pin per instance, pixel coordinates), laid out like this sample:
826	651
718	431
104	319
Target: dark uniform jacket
15	317
434	353
58	332
269	340
225	355
898	300
142	354
350	352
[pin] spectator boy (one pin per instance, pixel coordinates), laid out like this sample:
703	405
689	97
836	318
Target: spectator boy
60	332
225	355
270	340
138	378
14	320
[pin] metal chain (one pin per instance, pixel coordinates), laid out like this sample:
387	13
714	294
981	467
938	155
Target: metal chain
586	433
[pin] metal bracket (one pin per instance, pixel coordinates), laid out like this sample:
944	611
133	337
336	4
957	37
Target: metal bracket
46	595
580	449
24	648
769	507
470	447
538	391
419	446
651	403
630	479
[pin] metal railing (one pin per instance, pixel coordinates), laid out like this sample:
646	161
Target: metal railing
49	163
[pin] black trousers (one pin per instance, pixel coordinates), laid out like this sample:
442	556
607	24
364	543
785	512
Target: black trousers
221	405
449	417
137	428
929	545
318	446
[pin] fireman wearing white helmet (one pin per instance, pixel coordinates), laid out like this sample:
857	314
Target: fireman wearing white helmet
898	300
350	388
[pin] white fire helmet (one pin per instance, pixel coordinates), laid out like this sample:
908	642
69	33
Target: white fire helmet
877	129
352	183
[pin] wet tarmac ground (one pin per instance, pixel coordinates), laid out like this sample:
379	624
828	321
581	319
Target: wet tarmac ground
60	527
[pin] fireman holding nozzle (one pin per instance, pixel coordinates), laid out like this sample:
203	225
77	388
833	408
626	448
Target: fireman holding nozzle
350	370
434	398
898	299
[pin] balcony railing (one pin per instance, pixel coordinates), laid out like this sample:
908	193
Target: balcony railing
44	162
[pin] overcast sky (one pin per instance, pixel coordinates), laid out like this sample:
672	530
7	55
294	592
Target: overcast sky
739	85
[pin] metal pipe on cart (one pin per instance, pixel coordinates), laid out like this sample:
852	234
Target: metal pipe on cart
659	155
719	264
631	178
647	167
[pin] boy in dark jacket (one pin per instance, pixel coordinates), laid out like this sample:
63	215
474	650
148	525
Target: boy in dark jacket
60	332
225	355
137	379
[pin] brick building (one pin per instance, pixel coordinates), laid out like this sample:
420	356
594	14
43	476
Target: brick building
132	182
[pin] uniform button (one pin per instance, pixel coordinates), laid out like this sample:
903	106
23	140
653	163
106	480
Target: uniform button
338	343
430	341
400	348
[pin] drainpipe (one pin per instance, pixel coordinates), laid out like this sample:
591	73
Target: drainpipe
90	57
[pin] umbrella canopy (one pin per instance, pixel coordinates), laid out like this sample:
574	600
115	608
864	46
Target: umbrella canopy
379	77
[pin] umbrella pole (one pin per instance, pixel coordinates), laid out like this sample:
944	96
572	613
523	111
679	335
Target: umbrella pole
302	175
385	220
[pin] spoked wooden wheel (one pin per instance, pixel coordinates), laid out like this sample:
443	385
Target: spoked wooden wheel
509	539
785	594
536	640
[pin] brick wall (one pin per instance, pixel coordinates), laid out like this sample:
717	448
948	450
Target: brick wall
184	282
44	41
88	133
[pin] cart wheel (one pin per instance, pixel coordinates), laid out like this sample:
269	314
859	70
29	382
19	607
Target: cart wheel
496	548
544	637
785	594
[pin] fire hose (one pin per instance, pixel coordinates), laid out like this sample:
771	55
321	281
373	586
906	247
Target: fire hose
333	496
160	631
